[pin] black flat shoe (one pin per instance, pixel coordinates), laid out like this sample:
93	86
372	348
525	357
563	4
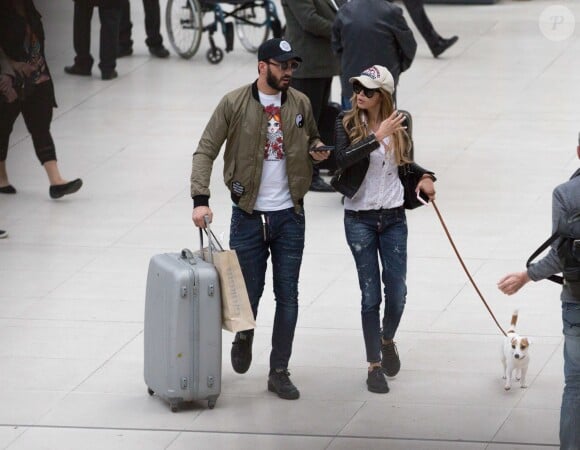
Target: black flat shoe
7	189
442	45
109	75
159	51
76	70
124	52
61	190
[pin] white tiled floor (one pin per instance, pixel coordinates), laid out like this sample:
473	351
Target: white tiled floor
496	118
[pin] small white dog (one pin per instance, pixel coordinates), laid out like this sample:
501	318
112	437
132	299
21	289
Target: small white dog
514	355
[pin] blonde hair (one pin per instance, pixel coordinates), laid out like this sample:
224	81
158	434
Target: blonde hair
357	128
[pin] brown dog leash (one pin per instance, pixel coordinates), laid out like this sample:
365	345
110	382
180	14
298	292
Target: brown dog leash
465	267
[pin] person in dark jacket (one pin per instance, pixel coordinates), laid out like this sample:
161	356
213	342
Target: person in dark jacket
367	32
435	42
565	202
371	145
309	28
154	39
22	42
109	15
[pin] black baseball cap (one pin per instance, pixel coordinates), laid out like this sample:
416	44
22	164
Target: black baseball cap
277	49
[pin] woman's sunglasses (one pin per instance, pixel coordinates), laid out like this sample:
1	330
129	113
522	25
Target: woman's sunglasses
358	88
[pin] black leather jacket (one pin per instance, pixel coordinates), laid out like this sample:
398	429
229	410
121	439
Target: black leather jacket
352	161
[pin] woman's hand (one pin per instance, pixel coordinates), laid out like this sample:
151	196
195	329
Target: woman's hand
22	68
426	186
390	125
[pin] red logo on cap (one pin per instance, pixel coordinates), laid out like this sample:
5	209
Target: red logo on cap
372	72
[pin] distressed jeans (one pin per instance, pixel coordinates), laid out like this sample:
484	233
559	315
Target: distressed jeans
570	411
373	237
253	237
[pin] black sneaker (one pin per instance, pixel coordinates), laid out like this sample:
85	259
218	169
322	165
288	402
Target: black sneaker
390	362
242	351
376	381
3	234
279	382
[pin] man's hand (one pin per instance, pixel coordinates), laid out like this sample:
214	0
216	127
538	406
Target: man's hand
319	155
198	215
7	89
22	68
512	283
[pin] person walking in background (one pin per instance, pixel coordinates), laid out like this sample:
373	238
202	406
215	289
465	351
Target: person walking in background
154	39
435	42
109	15
309	28
22	41
371	148
268	172
367	32
565	202
7	94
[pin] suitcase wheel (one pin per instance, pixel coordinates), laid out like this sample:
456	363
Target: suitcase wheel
150	391
211	404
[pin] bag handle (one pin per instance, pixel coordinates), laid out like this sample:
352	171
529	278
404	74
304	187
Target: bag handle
213	242
554	278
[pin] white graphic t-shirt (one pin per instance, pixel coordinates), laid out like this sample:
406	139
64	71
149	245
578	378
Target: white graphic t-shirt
274	194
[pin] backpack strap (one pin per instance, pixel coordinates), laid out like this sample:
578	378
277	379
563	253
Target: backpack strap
555	278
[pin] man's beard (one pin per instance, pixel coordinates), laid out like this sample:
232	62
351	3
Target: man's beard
276	83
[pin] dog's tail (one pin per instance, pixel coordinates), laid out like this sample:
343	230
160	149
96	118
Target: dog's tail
513	322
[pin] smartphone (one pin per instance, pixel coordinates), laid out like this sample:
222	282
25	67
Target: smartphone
323	148
422	197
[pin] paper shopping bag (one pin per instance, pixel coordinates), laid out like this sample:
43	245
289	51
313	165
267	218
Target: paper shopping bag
237	312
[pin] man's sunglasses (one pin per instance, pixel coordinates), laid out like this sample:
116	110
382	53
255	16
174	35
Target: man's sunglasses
358	88
284	66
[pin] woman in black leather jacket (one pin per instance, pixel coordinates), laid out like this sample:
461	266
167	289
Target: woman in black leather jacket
22	41
372	153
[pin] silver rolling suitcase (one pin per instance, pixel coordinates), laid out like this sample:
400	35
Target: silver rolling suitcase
183	350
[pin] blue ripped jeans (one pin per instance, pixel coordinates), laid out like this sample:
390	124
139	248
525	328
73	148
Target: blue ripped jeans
375	236
570	411
254	237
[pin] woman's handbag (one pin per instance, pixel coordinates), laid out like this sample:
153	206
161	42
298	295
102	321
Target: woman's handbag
237	312
410	178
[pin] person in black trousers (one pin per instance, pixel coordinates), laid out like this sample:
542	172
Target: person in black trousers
436	43
309	28
109	15
27	88
152	26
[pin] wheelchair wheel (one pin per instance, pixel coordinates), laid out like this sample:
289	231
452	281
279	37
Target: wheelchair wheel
253	25
215	55
183	20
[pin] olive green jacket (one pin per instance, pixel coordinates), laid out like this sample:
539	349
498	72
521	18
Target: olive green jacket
240	121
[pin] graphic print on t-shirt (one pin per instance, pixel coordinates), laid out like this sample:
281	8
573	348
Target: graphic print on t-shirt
274	150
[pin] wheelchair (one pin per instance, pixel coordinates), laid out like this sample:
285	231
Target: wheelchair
253	21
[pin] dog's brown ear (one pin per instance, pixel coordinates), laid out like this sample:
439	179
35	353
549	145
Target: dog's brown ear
525	342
